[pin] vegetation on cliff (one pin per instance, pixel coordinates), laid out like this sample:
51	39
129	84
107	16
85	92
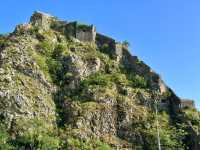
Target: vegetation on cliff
58	92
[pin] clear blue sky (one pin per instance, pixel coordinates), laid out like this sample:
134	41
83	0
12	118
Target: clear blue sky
163	33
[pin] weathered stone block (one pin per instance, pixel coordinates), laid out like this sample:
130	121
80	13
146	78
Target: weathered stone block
187	103
86	33
41	20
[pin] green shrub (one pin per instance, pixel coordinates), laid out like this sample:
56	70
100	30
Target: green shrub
83	26
38	136
37	140
96	79
55	69
3	42
166	94
102	146
67	77
41	62
50	60
192	115
77	144
146	128
4	139
120	79
137	81
33	30
45	48
58	51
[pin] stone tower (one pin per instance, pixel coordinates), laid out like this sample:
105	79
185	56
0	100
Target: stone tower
82	32
42	20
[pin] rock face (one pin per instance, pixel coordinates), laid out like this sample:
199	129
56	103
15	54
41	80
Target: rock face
21	83
86	85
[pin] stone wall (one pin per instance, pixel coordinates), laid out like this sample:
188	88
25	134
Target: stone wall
41	20
187	103
109	46
59	25
118	51
102	39
70	29
86	33
82	32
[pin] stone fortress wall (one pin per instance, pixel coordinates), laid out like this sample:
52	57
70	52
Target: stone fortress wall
82	32
187	103
87	33
41	20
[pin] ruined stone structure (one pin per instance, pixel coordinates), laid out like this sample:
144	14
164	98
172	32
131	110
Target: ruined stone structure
41	20
85	33
110	46
82	32
187	103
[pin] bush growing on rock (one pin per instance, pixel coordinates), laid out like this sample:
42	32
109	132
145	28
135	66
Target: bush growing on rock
37	135
55	69
96	79
5	139
139	81
3	42
45	48
77	144
58	51
37	140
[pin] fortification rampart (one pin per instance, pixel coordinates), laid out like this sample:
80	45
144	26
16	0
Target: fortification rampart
82	32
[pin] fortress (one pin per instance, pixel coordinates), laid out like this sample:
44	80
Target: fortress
87	33
82	32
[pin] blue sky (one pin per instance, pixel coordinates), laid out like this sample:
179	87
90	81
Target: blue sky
163	33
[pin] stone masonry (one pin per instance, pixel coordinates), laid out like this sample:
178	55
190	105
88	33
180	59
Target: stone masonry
41	20
82	32
187	103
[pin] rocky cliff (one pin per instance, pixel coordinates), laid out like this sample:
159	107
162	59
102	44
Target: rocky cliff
65	86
